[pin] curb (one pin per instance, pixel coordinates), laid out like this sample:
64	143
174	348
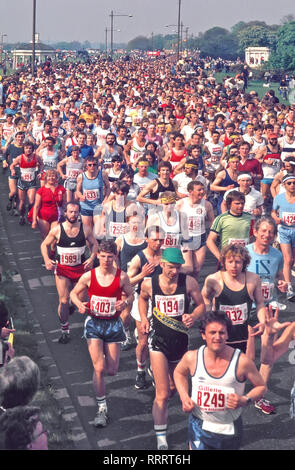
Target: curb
61	395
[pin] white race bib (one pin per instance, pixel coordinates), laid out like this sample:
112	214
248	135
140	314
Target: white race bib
211	398
288	218
237	313
170	305
118	228
171	240
238	241
28	174
102	306
70	256
91	194
194	225
267	290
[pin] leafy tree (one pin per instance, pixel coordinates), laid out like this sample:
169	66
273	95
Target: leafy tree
284	55
217	42
140	42
256	35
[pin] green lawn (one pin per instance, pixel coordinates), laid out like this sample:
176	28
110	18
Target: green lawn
256	85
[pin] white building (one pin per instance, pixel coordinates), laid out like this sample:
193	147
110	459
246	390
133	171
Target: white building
23	53
256	56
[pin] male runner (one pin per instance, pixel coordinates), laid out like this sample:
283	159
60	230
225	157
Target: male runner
103	327
283	214
234	289
70	238
170	293
218	373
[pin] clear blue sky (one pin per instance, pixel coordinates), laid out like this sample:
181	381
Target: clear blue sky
87	19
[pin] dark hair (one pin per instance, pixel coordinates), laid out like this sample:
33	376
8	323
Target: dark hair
73	203
192	184
107	246
234	196
17	427
154	229
164	164
218	317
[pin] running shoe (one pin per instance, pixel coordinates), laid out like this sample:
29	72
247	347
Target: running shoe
22	220
140	382
163	447
127	344
265	406
9	206
101	418
15	212
65	338
276	304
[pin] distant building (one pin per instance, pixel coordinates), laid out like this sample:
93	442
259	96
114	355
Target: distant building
22	54
256	56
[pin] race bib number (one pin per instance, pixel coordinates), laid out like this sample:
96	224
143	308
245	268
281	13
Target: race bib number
267	290
117	228
72	174
102	306
238	241
288	218
171	240
91	194
194	225
237	313
69	257
28	174
211	398
170	305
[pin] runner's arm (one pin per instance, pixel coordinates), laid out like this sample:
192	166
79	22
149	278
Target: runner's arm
80	291
184	369
143	301
211	244
52	237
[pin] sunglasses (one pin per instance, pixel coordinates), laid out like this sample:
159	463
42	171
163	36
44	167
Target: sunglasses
290	182
91	164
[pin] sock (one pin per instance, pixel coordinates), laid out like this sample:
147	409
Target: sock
141	366
65	327
161	434
127	331
101	403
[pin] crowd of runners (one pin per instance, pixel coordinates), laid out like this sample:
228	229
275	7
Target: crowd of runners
133	172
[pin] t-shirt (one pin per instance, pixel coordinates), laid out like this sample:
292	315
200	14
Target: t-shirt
232	228
286	210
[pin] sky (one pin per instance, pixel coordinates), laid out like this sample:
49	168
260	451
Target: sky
81	20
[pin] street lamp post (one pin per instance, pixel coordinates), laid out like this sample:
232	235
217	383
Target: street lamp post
178	29
2	51
107	30
112	29
33	38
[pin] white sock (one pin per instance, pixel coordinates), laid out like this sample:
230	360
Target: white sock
161	434
101	403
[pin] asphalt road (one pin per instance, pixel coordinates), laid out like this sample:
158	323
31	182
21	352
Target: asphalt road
130	426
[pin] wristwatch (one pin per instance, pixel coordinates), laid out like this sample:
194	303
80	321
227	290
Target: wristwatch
249	401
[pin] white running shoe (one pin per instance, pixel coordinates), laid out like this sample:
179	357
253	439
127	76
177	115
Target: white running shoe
101	418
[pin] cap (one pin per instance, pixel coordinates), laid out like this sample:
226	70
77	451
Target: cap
273	136
172	255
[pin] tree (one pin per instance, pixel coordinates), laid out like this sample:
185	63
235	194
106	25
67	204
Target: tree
140	42
256	35
283	57
217	42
